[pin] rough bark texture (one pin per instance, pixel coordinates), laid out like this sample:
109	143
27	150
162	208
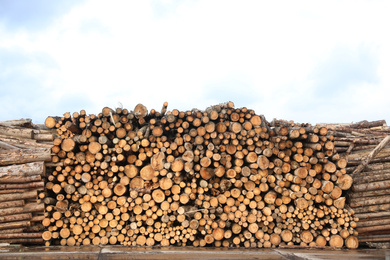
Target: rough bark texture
23	152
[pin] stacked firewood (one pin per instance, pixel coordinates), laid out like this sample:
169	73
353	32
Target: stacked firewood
23	150
367	147
219	177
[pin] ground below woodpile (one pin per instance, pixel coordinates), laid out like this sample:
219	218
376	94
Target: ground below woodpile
120	252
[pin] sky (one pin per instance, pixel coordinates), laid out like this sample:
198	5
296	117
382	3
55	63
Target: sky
306	61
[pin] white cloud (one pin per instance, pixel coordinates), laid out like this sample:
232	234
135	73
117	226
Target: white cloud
178	51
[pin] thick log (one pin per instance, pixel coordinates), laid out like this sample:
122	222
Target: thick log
50	122
352	242
344	182
140	111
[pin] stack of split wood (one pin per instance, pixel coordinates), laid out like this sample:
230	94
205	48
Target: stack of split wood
367	147
219	177
23	150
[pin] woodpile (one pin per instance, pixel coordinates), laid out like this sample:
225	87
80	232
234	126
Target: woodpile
23	151
222	177
366	145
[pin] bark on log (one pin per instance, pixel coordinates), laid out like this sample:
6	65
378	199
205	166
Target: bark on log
371	186
17	132
24	156
367	160
15	224
28	169
18	122
25	195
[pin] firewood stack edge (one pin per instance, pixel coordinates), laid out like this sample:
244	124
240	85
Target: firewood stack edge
366	145
24	148
222	177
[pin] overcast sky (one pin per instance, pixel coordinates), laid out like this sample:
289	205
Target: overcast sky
307	61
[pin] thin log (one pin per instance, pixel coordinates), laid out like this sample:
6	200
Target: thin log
370	167
366	124
28	169
375	160
372	215
374	238
22	179
370	229
361	202
374	222
27	195
16	217
373	193
17	122
12	191
6	146
17	132
28	208
372	208
15	224
29	185
372	177
369	157
22	241
371	186
10	204
23	143
21	235
24	156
